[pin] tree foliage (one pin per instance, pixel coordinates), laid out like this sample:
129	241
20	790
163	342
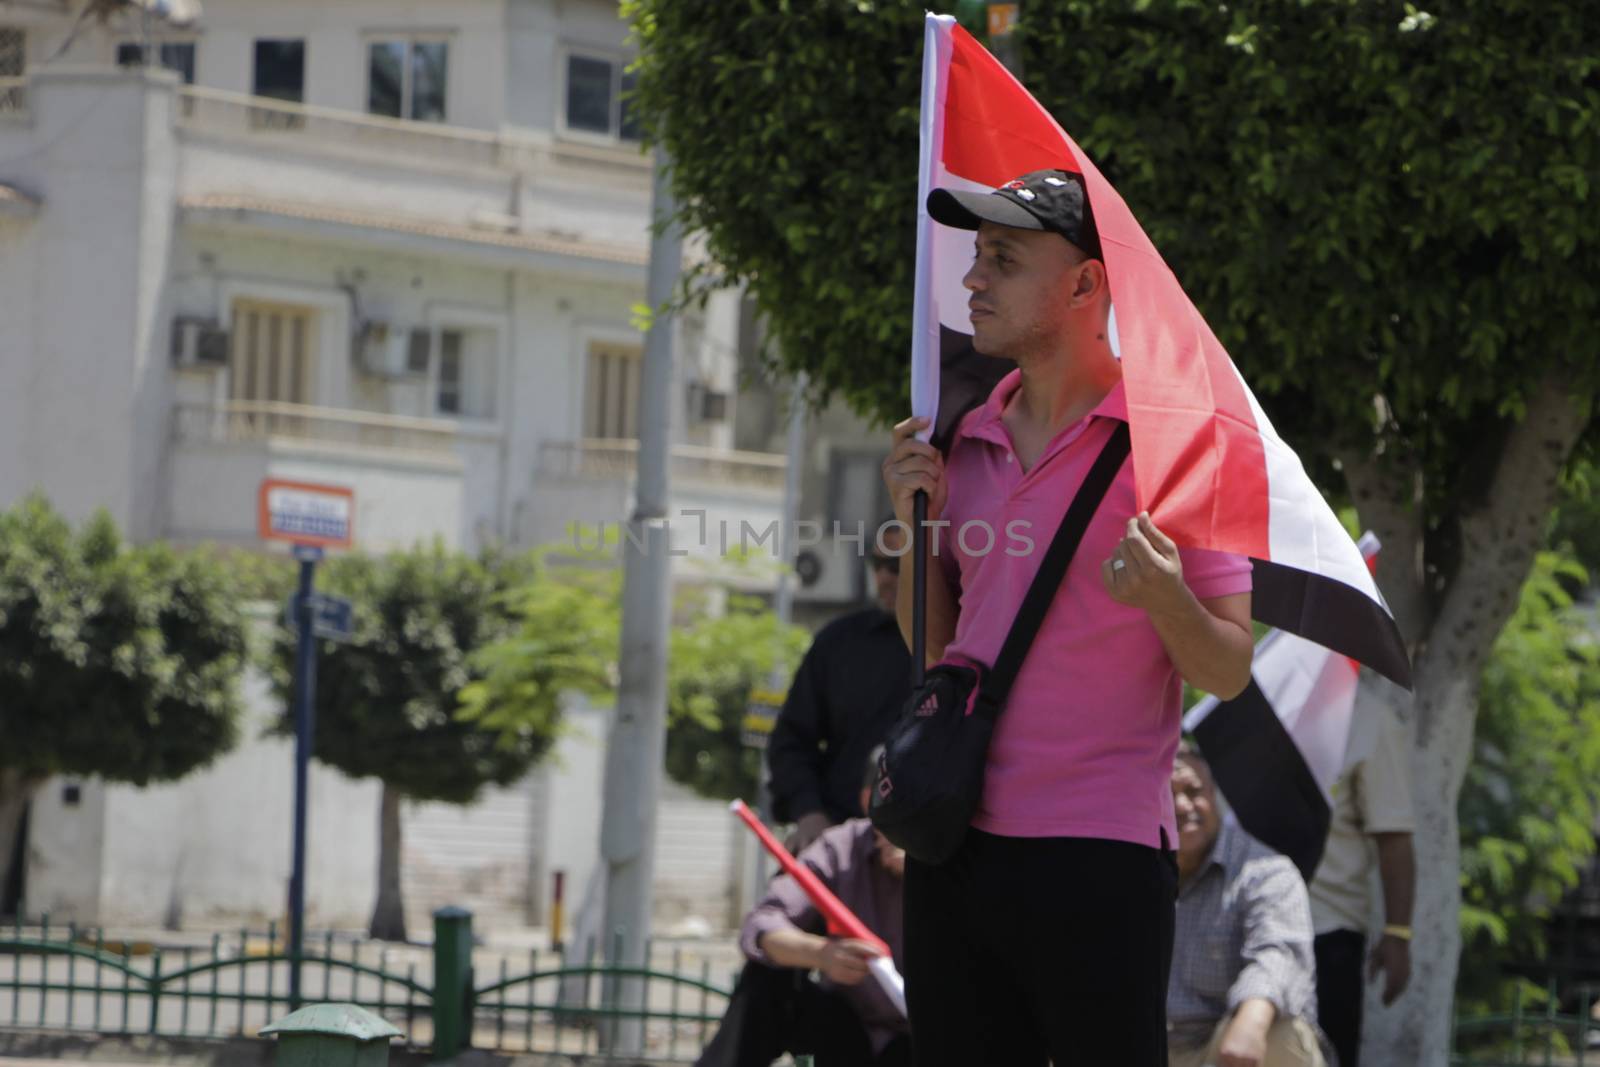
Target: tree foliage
386	700
567	638
115	660
1365	200
566	619
713	669
1575	524
1530	802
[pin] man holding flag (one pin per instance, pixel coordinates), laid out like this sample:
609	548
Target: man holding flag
847	1018
1048	934
1061	900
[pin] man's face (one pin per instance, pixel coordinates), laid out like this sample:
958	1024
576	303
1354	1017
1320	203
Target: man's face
886	566
1194	799
1021	283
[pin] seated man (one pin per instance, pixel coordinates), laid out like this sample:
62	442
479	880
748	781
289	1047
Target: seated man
842	1019
1243	986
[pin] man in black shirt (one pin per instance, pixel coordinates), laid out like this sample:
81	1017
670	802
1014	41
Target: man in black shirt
844	698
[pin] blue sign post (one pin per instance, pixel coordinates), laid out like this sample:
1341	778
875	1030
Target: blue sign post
305	712
309	516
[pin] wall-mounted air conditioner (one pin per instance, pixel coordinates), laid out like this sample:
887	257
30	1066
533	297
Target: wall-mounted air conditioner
707	404
198	342
833	572
381	349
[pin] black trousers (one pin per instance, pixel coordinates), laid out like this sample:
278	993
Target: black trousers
777	1010
1023	950
1340	990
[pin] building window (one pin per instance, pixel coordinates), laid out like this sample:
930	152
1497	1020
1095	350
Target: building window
461	364
280	70
173	55
406	79
598	91
271	360
13	61
13	52
611	406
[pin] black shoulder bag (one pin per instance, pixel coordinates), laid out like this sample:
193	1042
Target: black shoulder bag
930	775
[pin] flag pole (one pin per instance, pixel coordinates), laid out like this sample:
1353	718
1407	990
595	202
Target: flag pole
919	587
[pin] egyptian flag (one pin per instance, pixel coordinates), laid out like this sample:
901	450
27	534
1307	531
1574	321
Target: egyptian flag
1276	749
1207	464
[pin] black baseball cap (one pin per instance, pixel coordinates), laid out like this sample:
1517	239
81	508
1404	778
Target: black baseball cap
1050	200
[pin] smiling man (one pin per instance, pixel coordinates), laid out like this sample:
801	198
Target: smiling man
1243	990
1048	935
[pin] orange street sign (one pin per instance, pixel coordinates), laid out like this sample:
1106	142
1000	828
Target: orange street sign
306	513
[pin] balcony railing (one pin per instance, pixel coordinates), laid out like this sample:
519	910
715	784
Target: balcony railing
215	111
606	459
249	420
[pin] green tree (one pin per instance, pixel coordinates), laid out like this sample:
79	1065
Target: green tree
1384	214
1530	799
116	661
713	668
387	700
1575	524
567	637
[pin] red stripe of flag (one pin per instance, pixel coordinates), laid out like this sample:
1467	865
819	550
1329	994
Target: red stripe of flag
1193	431
994	130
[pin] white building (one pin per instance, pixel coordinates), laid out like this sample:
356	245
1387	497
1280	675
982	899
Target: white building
384	244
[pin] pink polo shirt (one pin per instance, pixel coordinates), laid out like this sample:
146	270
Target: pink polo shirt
1085	743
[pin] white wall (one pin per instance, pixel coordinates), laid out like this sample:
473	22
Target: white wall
66	848
97	151
470	856
336	48
213	847
400	500
16	356
285	167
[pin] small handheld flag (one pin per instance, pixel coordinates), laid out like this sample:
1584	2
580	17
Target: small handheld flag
840	920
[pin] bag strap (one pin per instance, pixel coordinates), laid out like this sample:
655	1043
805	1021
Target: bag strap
1053	569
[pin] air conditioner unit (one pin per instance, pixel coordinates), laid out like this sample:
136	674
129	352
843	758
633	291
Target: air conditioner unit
381	349
713	406
706	404
198	342
833	572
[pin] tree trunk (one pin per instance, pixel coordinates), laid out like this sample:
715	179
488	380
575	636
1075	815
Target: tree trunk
389	913
1415	1032
16	790
1498	543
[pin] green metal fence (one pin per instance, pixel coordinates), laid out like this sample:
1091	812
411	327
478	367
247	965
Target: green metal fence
1526	1034
556	1006
66	978
442	997
55	977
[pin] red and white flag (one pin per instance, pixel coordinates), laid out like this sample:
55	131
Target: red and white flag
1207	464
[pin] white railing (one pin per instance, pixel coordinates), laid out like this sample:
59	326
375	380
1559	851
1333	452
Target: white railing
608	459
249	420
13	96
215	111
